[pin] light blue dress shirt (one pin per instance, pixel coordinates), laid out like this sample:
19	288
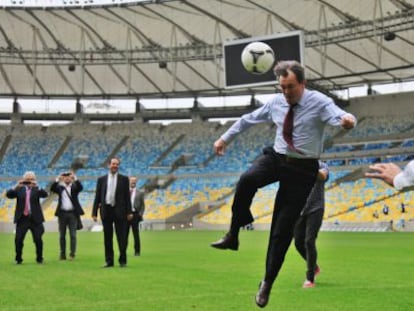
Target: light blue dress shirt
312	113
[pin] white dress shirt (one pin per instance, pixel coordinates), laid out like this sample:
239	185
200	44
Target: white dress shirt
133	192
406	177
111	189
66	203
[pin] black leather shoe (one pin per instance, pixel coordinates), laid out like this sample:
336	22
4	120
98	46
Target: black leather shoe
262	296
123	265
227	242
108	265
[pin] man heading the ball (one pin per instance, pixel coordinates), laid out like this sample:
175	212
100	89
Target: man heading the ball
300	116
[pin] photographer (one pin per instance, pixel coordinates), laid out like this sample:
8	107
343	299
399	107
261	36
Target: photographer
28	214
68	210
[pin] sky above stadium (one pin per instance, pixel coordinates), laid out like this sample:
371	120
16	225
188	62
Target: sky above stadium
128	105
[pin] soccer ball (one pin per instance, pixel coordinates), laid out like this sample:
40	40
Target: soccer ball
257	58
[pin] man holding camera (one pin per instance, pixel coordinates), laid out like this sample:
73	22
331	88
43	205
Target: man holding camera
28	214
68	210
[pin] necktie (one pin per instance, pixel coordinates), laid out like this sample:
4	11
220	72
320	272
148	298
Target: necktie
288	127
26	211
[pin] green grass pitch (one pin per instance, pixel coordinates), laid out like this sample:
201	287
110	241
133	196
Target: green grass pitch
178	270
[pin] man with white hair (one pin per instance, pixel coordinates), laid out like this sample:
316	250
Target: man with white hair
28	214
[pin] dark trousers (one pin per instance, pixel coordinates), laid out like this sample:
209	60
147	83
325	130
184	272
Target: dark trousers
67	220
306	232
134	225
121	235
296	179
23	225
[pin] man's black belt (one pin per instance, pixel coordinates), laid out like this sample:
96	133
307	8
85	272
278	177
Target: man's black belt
292	160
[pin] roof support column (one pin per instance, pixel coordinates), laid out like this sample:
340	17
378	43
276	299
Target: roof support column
217	59
173	44
128	56
322	35
35	52
378	29
82	56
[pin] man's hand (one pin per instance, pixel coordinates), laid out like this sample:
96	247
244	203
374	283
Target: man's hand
348	121
384	171
95	219
130	217
219	147
322	174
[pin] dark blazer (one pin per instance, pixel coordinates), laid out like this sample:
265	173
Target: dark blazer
122	197
19	193
75	188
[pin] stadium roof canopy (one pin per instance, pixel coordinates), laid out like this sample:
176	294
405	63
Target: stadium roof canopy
87	48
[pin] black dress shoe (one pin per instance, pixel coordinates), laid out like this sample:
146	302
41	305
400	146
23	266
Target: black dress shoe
227	242
108	265
262	296
123	265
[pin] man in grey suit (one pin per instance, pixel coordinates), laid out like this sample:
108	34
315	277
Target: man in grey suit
138	208
113	200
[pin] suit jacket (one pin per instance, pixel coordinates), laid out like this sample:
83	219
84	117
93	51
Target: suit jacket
139	203
19	193
75	188
122	197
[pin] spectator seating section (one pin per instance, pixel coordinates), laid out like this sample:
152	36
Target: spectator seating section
151	150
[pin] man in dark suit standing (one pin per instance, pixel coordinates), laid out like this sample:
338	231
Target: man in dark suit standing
113	200
68	210
138	208
28	214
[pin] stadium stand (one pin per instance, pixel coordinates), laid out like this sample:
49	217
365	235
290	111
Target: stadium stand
176	166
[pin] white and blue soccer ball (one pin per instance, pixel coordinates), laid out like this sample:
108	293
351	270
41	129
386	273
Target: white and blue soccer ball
258	58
